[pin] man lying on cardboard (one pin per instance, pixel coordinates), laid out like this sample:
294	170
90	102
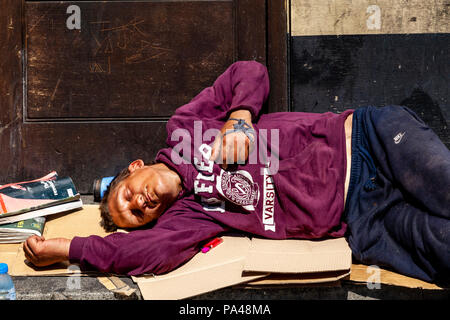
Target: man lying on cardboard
378	176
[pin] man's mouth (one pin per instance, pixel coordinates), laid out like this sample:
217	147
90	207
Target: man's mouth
150	200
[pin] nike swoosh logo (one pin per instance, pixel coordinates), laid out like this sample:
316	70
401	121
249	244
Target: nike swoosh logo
398	138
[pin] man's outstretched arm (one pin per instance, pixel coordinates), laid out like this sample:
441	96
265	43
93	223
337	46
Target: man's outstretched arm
173	240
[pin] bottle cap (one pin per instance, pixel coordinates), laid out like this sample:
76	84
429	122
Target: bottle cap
3	268
100	186
106	181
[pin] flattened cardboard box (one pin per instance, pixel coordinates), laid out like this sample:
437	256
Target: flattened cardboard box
81	223
219	268
236	260
240	260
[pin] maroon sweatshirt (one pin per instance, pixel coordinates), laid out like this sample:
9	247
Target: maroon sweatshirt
292	185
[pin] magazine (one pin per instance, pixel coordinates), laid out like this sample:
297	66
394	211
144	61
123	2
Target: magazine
19	231
30	199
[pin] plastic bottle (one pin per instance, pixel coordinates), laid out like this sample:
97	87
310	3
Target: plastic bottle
7	289
100	186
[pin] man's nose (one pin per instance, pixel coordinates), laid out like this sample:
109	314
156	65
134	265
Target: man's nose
138	201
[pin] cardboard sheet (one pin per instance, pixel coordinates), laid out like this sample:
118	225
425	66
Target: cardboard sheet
240	259
326	278
363	273
237	260
298	256
221	267
82	223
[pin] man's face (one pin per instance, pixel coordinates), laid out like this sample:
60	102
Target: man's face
141	197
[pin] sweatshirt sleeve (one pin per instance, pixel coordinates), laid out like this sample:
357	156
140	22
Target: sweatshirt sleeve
174	239
244	85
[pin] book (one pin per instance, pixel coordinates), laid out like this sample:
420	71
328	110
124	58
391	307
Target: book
17	232
37	198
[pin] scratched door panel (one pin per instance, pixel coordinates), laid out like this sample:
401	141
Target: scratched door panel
85	151
137	60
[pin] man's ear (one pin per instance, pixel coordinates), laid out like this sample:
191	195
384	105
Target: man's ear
136	164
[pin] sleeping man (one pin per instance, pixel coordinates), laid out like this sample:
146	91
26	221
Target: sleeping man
376	175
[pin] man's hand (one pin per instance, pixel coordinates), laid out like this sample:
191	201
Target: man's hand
41	252
232	147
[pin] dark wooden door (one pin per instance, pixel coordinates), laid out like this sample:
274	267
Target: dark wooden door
87	89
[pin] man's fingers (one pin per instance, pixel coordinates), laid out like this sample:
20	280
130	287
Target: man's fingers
228	154
30	258
213	152
34	244
28	248
235	149
216	148
242	149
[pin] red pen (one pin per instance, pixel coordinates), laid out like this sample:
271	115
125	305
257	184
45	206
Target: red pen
212	244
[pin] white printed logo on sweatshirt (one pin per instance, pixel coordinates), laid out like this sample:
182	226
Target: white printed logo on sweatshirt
239	188
268	214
